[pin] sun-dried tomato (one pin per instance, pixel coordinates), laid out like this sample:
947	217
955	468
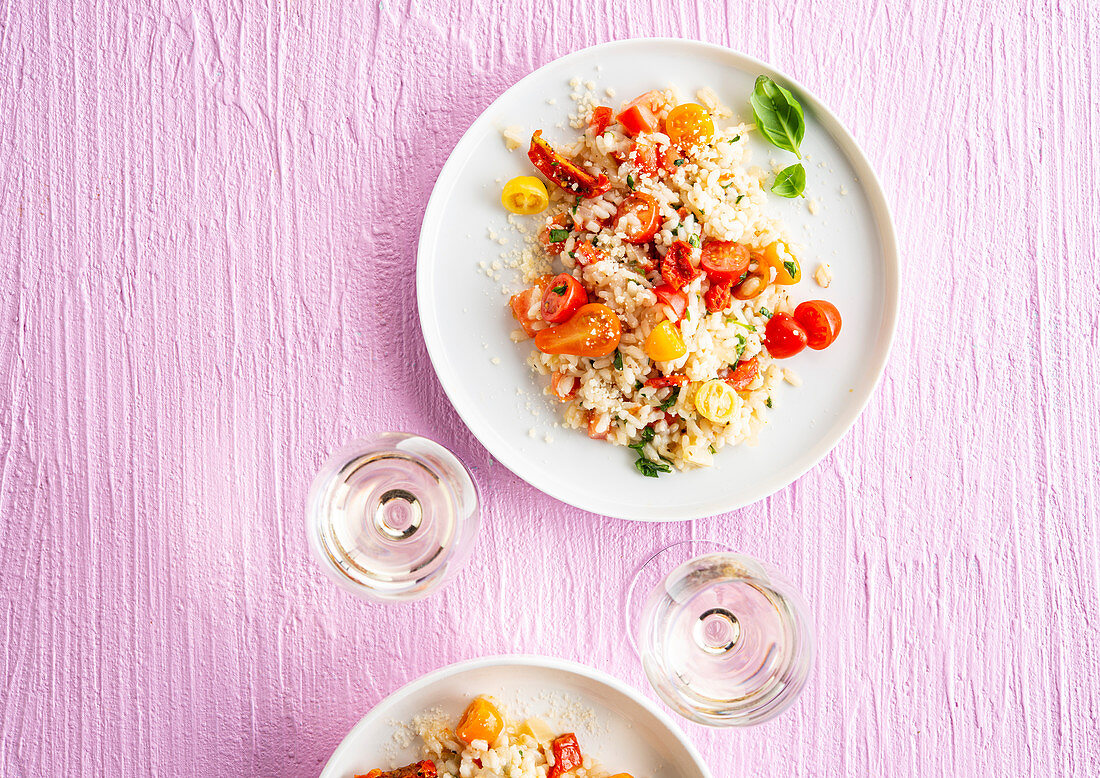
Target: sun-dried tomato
717	297
564	173
676	267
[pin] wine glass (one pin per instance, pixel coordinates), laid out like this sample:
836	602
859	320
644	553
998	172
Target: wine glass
392	517
723	638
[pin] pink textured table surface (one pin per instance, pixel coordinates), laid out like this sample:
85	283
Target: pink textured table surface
208	214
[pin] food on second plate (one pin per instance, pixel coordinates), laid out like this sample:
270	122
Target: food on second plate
484	743
668	299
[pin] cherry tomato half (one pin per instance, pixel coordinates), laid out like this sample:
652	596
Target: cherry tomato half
688	125
593	331
563	297
644	158
638	218
639	115
723	260
742	376
783	336
524	304
821	320
674	299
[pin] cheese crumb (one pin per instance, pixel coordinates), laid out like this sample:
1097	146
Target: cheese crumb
495	360
823	275
791	377
812	206
513	138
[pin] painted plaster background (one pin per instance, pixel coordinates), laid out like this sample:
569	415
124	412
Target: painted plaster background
208	213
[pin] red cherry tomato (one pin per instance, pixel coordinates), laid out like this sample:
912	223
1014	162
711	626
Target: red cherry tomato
523	303
638	218
639	115
567	755
783	336
558	225
821	320
585	253
563	297
676	300
723	260
594	427
601	118
593	331
742	376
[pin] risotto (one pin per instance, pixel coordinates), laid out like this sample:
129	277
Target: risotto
485	744
661	329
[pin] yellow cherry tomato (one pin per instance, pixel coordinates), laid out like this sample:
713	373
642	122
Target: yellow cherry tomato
716	400
665	343
688	125
525	195
787	269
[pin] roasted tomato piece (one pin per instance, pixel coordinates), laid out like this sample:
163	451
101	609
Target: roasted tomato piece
667	380
645	159
784	336
593	331
594	433
423	769
563	172
717	297
563	297
640	114
723	260
526	304
676	300
676	267
585	254
638	218
742	376
564	387
821	320
600	120
567	755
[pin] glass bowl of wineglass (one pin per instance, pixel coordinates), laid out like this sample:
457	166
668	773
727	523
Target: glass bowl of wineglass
392	517
724	639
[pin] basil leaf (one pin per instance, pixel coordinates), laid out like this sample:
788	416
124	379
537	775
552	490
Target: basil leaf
558	236
618	360
778	115
558	289
791	268
790	181
678	162
630	182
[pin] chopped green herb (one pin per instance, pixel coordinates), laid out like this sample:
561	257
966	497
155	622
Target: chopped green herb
768	402
765	313
713	450
573	254
735	139
639	385
651	469
574	210
679	162
687	314
676	229
791	268
671	400
739	198
618	360
559	236
560	289
733	320
630	182
694	240
740	346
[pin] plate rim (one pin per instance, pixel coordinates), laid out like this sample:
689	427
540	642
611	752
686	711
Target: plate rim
520	660
882	215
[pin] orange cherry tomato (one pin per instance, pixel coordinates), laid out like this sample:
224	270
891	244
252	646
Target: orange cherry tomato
688	125
640	114
523	302
562	297
480	721
593	331
757	279
638	217
821	320
594	427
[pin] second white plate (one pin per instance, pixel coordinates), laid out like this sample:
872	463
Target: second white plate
466	323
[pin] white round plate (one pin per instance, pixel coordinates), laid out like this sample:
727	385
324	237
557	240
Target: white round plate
466	321
625	732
